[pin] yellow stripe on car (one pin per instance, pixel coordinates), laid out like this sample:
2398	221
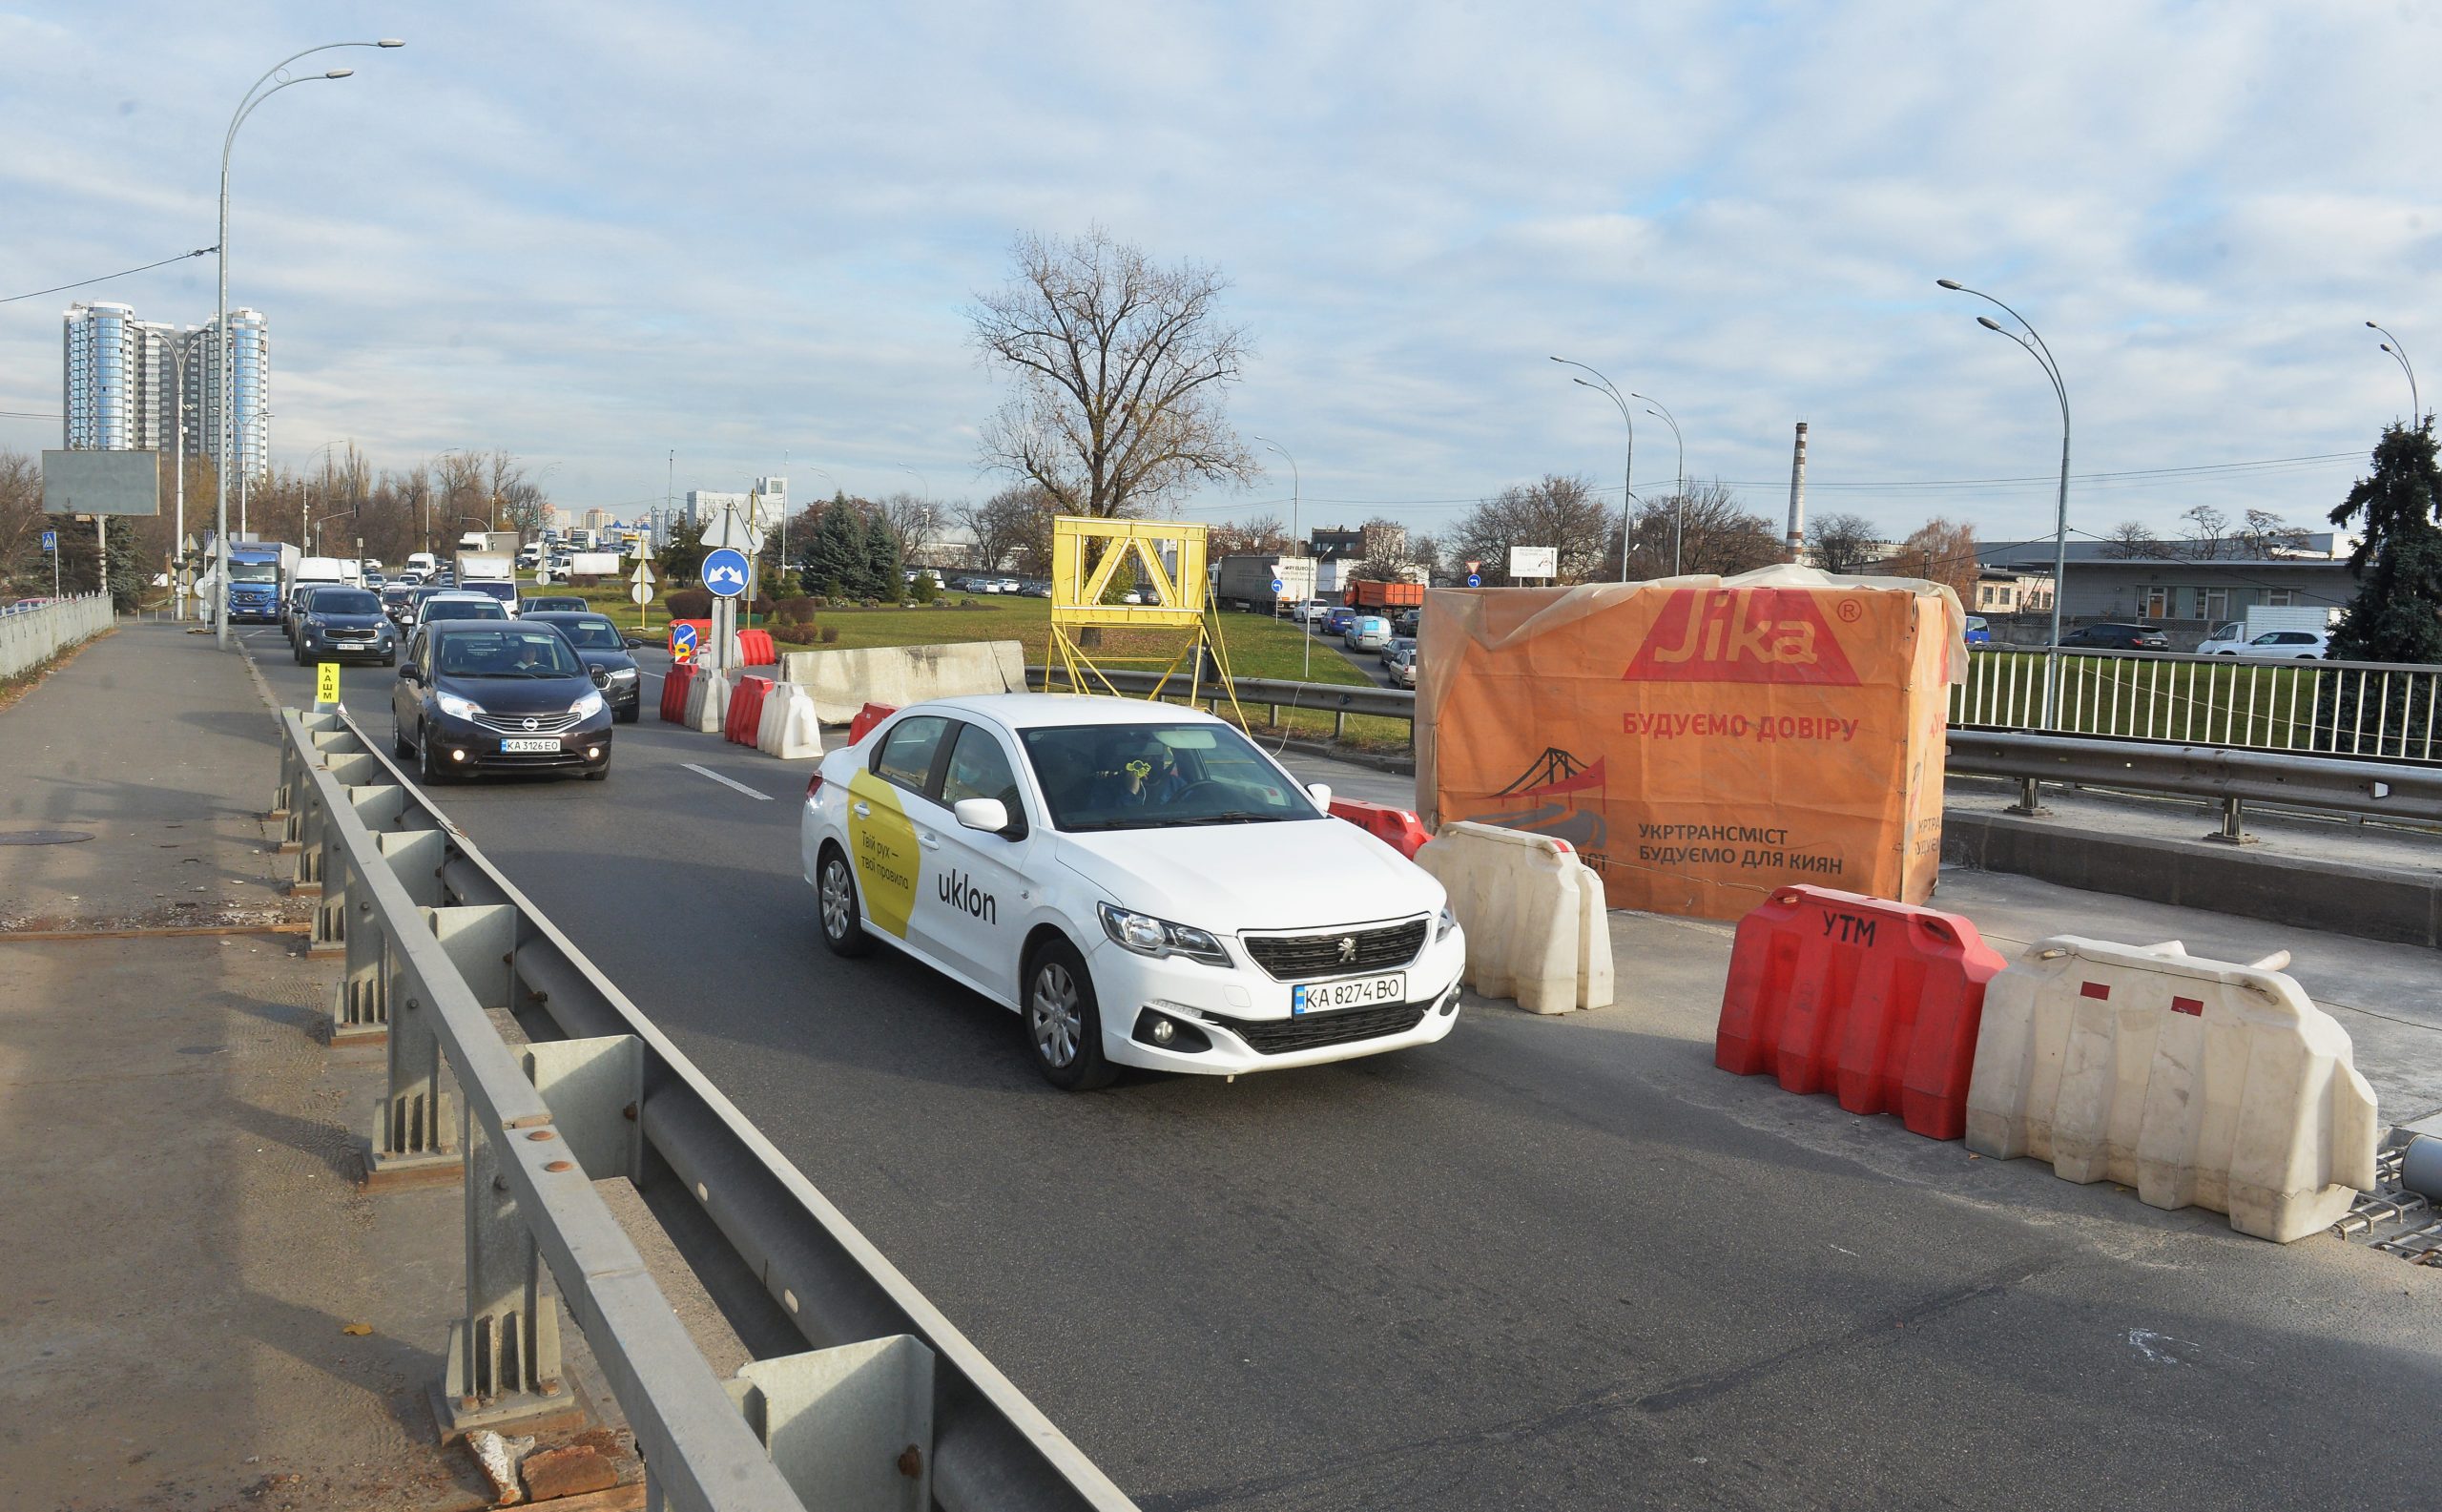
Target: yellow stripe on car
883	844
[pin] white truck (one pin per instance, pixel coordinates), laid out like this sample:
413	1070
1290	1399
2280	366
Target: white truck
582	564
2232	639
492	573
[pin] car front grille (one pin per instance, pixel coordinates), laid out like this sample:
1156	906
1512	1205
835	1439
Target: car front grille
1313	1030
1298	958
527	723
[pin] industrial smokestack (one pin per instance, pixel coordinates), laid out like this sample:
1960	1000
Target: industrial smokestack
1797	498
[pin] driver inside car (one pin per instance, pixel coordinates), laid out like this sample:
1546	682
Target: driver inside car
1144	773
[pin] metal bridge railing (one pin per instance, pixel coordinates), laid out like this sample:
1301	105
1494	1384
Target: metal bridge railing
2378	709
890	1406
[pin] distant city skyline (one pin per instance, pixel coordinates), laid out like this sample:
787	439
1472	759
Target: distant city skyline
121	386
592	238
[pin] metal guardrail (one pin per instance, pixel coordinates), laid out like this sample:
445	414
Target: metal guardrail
1339	700
31	636
891	1407
2382	710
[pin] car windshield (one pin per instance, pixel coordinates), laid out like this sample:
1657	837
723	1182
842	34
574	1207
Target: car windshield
253	572
594	634
345	601
1158	776
509	651
464	609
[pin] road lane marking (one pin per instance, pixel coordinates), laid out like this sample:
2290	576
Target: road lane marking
725	782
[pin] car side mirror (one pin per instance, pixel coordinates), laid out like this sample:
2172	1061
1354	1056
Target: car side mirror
408	673
991	816
1321	794
601	675
635	642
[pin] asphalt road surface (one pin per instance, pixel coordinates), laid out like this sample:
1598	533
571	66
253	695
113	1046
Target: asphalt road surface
1548	1263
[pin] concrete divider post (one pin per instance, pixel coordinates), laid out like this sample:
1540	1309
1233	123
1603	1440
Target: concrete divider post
849	1426
503	1366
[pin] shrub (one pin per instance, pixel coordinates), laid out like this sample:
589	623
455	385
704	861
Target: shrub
795	632
928	588
797	611
690	603
830	634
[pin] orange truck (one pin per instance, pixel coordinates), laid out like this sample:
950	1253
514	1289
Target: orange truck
1365	594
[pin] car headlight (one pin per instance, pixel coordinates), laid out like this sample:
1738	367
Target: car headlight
457	708
1443	925
622	674
590	704
1148	936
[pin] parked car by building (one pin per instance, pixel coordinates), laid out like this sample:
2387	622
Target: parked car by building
1979	632
2112	636
2283	645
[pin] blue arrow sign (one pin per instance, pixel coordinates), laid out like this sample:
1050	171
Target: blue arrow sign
51	539
1276	585
725	571
1475	580
682	642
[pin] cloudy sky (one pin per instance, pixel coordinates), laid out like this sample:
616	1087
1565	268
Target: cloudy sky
593	233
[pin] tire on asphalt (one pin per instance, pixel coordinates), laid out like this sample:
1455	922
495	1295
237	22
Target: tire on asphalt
429	772
841	918
1059	1014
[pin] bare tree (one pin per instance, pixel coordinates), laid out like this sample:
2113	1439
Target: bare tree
1720	535
1120	367
2267	534
1558	511
2131	540
1387	557
1010	523
1842	542
1942	551
1264	535
2211	527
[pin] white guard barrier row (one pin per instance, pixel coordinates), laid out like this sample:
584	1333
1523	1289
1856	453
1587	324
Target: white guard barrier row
707	702
1533	915
789	728
2196	1082
33	636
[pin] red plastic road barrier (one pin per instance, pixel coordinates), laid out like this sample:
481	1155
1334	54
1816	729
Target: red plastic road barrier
870	716
745	712
1878	1002
1396	828
755	649
673	692
703	635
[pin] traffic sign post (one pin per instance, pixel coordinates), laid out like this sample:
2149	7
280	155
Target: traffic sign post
642	592
725	575
1475	580
326	685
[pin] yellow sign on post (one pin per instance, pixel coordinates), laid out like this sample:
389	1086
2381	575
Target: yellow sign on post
326	683
1169	589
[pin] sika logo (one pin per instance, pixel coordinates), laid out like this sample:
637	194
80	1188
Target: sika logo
1762	635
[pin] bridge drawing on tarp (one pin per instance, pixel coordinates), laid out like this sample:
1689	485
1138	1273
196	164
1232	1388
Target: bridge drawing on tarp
1547	793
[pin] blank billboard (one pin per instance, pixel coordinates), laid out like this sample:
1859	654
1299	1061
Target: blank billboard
101	483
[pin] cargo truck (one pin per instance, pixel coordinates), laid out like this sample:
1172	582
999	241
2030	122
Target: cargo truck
1245	582
1369	594
586	565
2261	619
258	577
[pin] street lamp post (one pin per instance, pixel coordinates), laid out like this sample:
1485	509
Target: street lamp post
2399	355
1628	474
2033	341
1679	531
1297	497
178	535
224	359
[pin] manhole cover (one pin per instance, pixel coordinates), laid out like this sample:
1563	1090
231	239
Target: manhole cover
42	837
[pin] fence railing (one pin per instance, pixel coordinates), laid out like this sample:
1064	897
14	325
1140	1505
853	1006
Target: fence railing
891	1407
2325	708
31	636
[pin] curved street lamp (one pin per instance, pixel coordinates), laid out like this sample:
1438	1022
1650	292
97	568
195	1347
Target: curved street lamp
1679	532
1627	481
2033	341
1296	496
2399	353
224	358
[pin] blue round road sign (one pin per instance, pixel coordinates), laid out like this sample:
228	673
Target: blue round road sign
1276	585
682	637
725	571
1475	580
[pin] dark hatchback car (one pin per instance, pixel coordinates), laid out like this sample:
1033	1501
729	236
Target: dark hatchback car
2117	637
599	643
553	604
343	622
497	696
399	602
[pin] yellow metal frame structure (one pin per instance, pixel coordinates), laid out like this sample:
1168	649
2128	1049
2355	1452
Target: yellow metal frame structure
1087	554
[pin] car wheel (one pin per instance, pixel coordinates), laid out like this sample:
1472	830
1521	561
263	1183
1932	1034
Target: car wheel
631	715
391	660
1063	1022
297	652
431	772
398	746
844	923
603	775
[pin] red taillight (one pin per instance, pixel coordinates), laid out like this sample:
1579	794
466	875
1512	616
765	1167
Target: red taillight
813	784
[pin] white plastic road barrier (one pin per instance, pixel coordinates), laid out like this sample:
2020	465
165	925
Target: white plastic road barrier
1533	932
789	729
2196	1082
846	681
707	702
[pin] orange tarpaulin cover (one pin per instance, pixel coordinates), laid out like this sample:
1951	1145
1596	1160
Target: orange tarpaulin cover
1700	741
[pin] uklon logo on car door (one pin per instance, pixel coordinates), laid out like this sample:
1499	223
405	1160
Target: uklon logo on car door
881	841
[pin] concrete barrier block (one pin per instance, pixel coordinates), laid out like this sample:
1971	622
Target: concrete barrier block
708	702
2197	1082
844	681
790	729
1518	896
1595	986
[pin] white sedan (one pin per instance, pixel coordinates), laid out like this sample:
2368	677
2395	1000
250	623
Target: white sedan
1141	883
